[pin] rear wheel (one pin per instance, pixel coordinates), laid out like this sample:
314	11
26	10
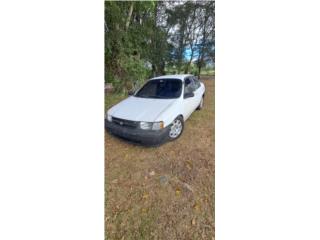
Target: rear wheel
176	128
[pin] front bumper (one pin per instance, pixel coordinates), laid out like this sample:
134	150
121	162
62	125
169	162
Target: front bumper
147	137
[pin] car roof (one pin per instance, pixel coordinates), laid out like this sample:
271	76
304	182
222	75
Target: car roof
177	76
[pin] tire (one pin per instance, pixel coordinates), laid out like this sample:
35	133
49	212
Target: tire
201	104
176	129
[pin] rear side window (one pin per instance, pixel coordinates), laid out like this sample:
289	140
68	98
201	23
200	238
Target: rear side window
196	82
189	86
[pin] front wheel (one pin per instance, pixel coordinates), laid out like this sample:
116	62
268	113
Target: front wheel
176	128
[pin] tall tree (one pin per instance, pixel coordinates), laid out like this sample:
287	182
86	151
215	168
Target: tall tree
206	46
144	38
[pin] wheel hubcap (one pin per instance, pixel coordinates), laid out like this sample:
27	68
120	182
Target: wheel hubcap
175	129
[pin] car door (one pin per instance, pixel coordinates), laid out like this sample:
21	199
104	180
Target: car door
189	103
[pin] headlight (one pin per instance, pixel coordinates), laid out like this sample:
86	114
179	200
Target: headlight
146	125
157	126
109	118
151	126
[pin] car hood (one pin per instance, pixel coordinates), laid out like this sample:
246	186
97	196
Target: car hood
140	109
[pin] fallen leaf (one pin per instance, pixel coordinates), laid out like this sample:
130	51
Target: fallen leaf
193	222
152	173
196	207
145	196
178	192
189	165
188	187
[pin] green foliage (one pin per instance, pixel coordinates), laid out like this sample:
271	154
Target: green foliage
193	69
129	28
135	72
148	38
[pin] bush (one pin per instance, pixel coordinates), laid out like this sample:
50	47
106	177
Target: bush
114	80
194	72
130	74
135	72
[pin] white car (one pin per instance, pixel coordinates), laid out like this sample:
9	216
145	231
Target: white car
157	111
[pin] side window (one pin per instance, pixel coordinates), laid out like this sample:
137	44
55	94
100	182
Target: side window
196	82
188	85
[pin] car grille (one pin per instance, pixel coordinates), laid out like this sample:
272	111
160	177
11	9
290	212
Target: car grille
125	123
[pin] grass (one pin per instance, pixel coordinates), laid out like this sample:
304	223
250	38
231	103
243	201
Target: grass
192	70
113	99
208	72
139	206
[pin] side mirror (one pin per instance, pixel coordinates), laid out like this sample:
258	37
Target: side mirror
130	93
188	95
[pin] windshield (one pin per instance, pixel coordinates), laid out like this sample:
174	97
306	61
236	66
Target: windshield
161	88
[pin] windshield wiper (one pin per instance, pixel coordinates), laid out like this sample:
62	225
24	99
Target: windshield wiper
157	97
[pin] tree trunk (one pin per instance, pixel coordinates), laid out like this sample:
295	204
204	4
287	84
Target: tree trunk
199	71
186	70
154	70
129	15
162	68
